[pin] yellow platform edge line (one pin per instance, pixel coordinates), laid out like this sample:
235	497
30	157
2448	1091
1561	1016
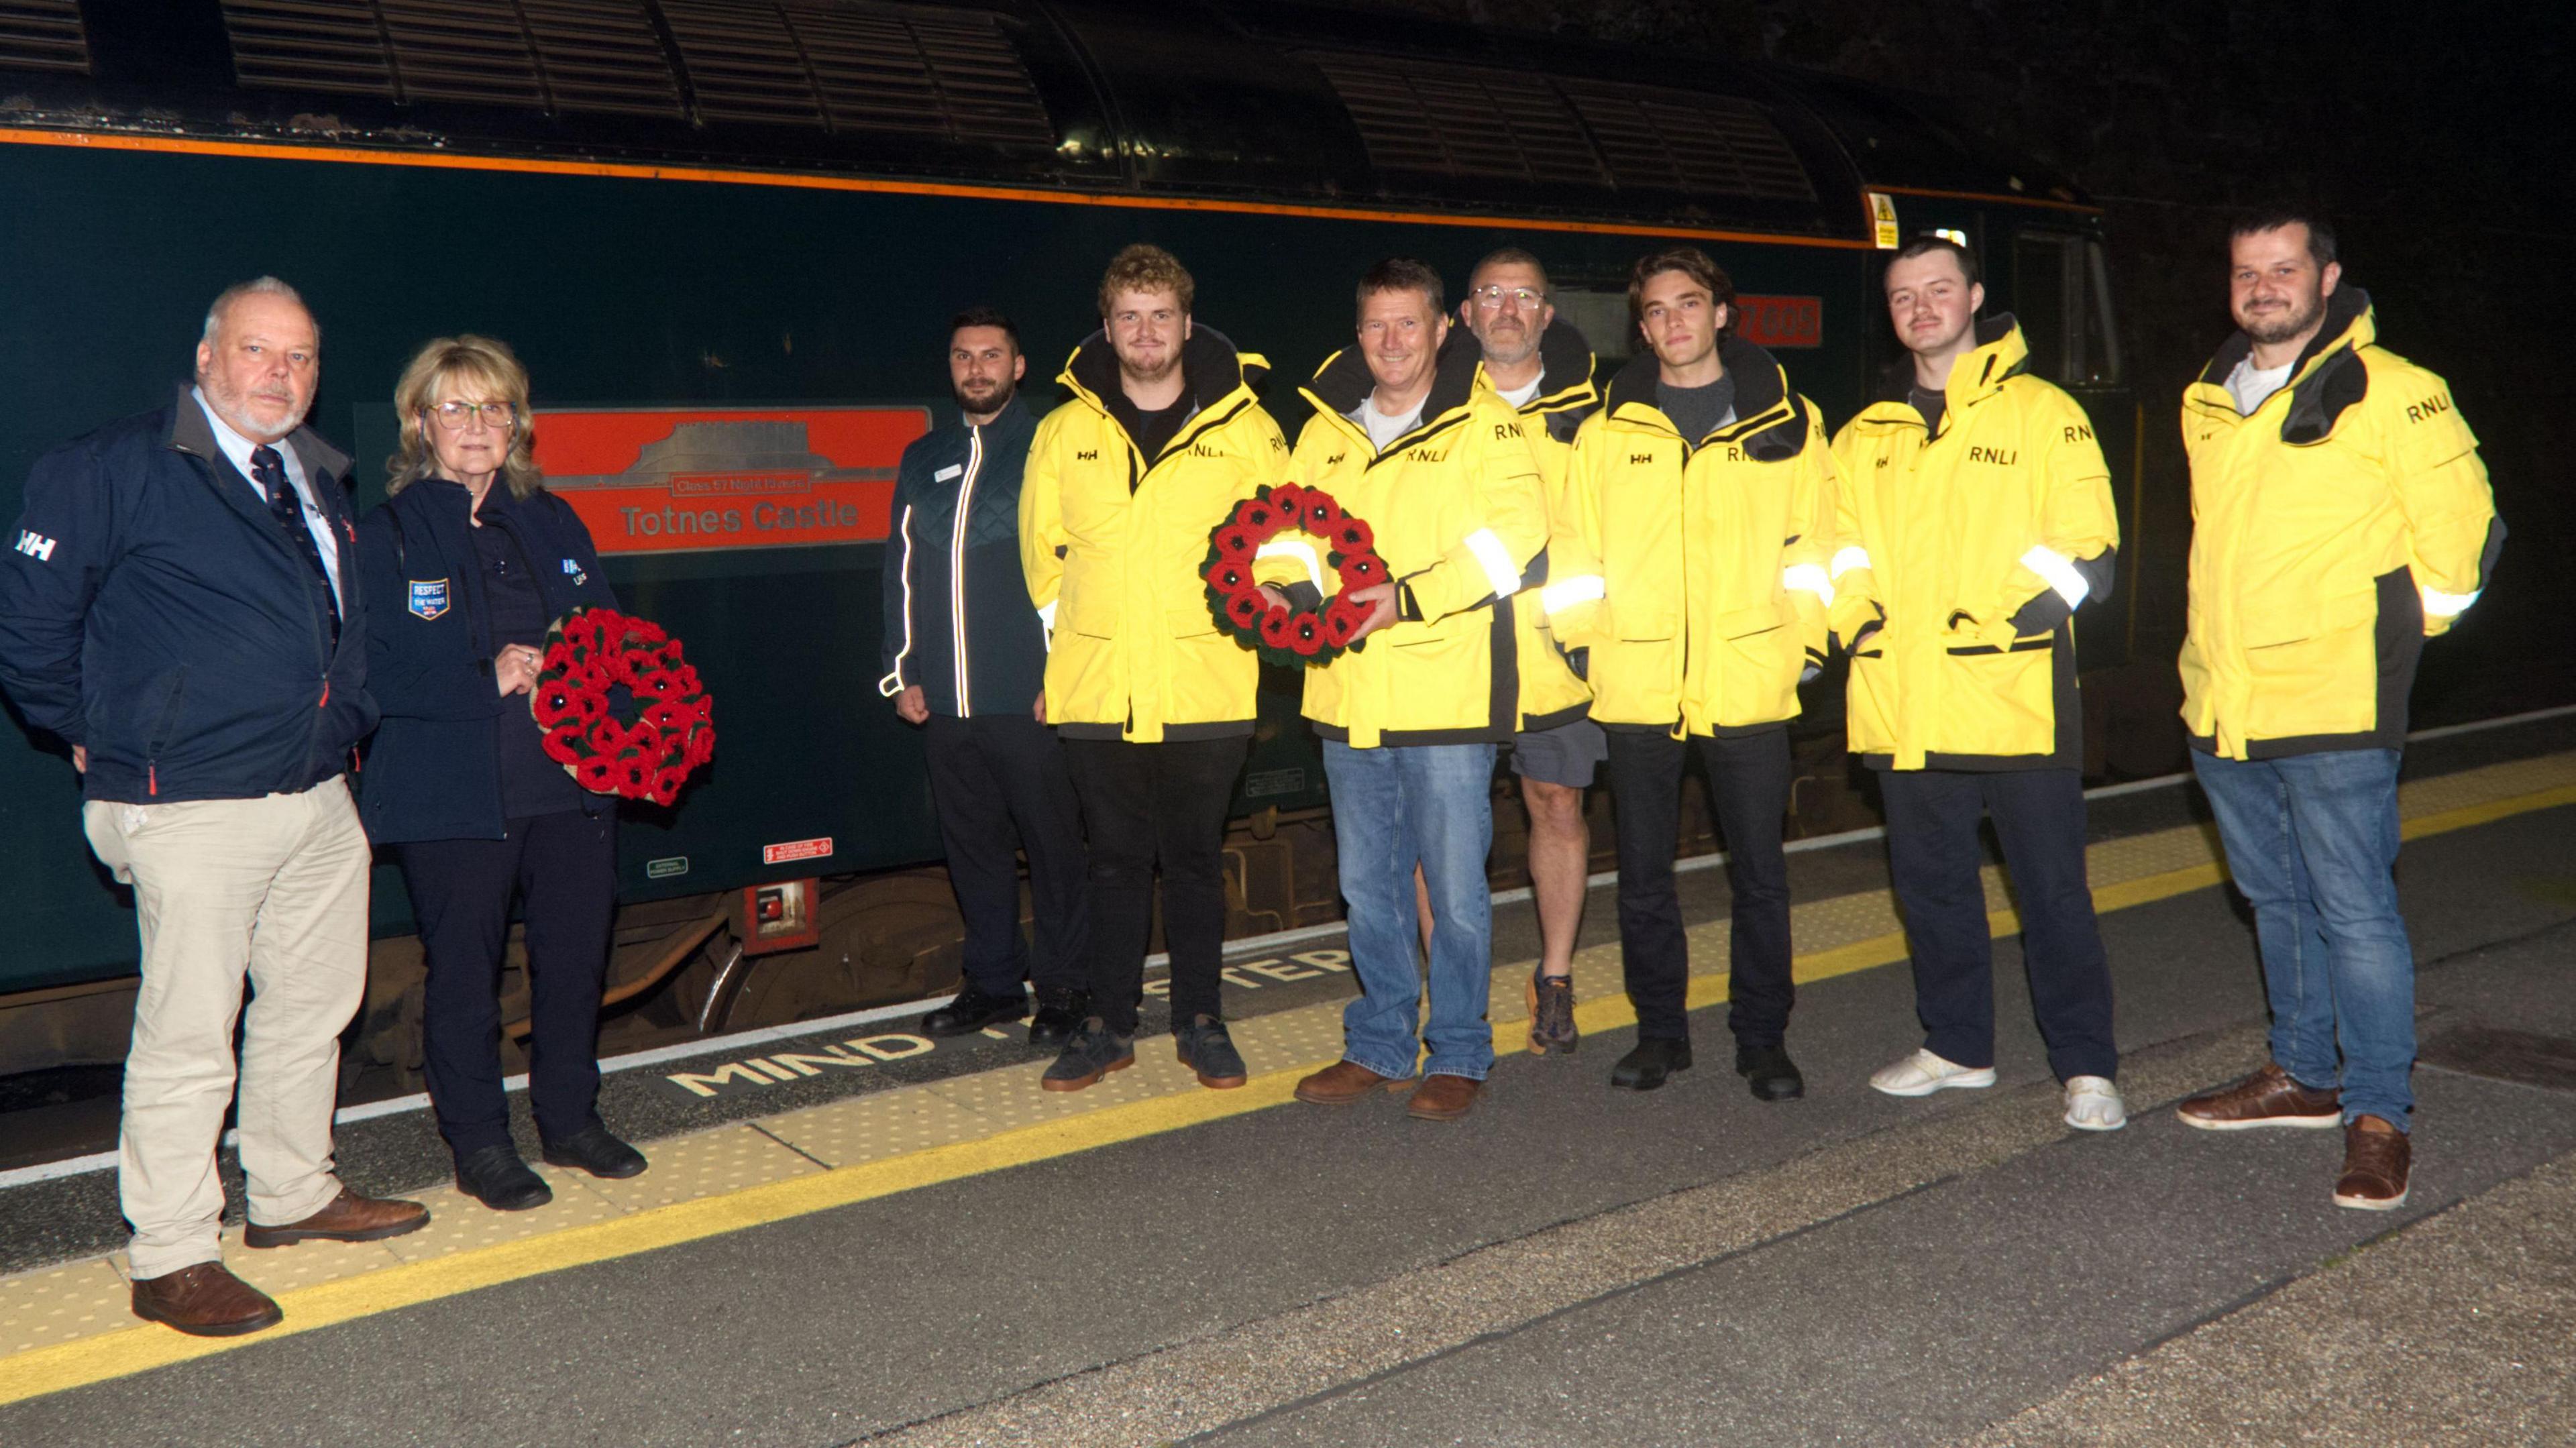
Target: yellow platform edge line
129	1350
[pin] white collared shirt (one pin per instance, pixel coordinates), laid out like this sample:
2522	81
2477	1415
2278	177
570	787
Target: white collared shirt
318	523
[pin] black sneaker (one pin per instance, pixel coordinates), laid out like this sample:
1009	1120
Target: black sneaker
1204	1047
1551	1007
496	1177
1060	1014
596	1150
972	1011
1091	1054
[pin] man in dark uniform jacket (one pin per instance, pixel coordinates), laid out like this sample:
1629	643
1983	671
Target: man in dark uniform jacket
965	654
182	608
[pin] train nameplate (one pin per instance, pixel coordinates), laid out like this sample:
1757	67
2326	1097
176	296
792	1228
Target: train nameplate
666	867
671	480
1781	321
780	854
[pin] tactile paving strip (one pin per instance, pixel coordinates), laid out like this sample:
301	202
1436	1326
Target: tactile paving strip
83	1299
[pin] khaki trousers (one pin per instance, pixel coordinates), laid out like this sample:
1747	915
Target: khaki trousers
275	888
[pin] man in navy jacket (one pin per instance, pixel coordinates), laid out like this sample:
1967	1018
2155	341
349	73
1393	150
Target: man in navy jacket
182	608
964	657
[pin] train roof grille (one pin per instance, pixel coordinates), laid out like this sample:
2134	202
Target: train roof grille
557	55
1487	123
1465	122
859	67
43	35
1688	141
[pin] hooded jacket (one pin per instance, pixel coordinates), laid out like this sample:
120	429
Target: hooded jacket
1695	572
1963	551
1111	543
1458	511
2334	529
153	613
957	615
1553	691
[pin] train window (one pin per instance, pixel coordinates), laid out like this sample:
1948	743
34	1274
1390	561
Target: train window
43	35
1602	318
1466	122
2062	296
554	55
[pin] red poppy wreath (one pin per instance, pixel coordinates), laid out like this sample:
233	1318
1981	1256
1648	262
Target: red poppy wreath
1282	635
590	651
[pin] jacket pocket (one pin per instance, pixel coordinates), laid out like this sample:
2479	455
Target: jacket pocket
165	719
2287	622
1641	622
1746	622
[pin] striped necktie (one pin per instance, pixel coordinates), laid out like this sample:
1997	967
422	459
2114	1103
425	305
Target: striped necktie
269	471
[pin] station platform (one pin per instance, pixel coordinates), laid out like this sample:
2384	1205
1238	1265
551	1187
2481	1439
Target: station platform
852	1234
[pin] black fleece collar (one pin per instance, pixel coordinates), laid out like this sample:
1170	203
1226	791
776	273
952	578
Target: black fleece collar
2346	307
1760	384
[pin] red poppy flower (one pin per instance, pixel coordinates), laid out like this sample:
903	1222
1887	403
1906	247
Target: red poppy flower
1244	609
607	736
701	746
1275	628
634	776
1229	577
1257	515
1306	636
1364	570
1341	620
1323	514
599	776
659	684
1353	536
666	786
551	704
1235	543
641	631
1290	500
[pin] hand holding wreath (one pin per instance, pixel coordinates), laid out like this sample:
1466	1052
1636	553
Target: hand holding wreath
591	651
1259	621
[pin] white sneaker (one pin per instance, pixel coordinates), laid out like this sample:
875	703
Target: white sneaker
2093	1104
1923	1073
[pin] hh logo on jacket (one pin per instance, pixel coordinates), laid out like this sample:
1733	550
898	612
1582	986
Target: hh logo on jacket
36	546
428	597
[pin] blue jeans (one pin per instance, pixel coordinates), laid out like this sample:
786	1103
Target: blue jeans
2312	842
1392	807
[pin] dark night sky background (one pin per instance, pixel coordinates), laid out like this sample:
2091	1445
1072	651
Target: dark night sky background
2441	138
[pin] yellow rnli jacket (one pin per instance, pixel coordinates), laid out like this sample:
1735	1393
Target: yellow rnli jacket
2334	529
1962	553
1552	693
1112	543
1694	571
1458	511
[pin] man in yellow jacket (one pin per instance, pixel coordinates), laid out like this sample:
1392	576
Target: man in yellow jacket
1411	442
1161	438
2341	517
1701	493
1541	365
1975	516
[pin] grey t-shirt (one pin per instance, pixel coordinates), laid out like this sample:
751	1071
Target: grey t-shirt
1930	403
1698	411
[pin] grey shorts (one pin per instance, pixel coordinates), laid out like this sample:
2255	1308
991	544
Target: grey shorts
1566	754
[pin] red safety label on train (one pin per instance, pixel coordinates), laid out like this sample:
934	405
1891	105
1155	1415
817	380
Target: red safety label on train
671	480
1781	321
796	850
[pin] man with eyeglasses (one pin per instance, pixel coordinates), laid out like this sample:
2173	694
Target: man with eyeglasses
181	608
1542	367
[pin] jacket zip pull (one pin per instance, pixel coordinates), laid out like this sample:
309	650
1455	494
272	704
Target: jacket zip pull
152	777
326	693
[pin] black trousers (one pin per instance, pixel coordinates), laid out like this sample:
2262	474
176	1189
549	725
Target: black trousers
563	869
1933	858
999	784
1749	779
1148	802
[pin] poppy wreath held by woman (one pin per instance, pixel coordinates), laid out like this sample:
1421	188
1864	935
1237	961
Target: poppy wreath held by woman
589	653
1280	634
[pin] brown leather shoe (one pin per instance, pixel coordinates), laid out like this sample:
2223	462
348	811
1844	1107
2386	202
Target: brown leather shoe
1443	1098
205	1300
2269	1097
349	1218
1345	1083
2376	1159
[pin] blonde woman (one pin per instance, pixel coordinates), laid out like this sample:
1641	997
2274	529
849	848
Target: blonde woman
466	563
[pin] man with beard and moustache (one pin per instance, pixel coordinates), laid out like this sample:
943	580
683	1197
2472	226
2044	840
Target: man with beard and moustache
182	608
965	660
1701	494
1975	517
1543	368
1407	436
1160	440
2341	516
